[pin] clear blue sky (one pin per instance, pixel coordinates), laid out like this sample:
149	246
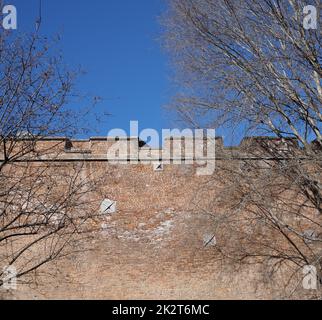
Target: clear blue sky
115	41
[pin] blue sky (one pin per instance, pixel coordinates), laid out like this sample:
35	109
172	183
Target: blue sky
116	42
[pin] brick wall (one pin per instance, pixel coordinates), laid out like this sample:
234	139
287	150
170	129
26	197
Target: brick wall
153	245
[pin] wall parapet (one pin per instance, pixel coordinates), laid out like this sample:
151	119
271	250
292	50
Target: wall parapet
174	148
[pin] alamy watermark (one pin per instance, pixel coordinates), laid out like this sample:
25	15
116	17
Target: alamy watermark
310	278
310	20
9	278
185	146
9	17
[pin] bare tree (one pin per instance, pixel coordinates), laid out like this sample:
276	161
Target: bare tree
251	65
45	205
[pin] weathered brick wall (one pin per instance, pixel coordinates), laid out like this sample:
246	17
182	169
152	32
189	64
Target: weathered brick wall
153	246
